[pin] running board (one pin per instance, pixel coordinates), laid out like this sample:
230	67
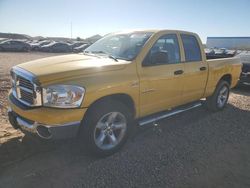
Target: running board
159	116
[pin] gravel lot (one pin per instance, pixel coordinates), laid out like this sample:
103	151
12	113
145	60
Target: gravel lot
194	149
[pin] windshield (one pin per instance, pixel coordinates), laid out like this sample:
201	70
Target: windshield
120	46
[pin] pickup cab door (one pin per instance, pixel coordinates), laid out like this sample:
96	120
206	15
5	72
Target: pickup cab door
161	75
195	68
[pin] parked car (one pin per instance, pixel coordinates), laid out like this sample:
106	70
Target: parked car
209	51
81	48
220	51
14	45
37	45
56	47
245	74
77	44
123	80
231	53
215	53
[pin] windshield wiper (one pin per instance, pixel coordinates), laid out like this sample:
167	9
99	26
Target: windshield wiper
102	52
98	52
113	57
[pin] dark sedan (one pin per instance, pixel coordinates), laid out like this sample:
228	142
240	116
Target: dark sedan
14	45
56	47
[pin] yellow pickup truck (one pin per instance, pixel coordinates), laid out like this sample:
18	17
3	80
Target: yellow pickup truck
126	77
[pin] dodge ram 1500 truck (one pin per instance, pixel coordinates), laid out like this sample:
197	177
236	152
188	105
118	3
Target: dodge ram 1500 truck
136	75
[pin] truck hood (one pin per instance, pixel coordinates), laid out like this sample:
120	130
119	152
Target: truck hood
70	66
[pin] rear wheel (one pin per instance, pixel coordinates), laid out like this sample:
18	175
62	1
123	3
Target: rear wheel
219	99
106	127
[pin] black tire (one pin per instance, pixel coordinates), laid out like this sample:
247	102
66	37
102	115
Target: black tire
212	103
1	49
25	49
87	132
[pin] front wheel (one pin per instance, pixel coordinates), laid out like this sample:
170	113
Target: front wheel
219	99
106	127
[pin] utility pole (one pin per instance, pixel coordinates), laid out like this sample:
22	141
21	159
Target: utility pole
71	30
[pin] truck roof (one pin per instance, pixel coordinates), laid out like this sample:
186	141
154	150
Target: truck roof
154	31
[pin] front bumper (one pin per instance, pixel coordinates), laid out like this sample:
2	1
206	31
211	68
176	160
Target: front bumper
44	131
47	123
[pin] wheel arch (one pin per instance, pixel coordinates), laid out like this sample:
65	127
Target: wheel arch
227	78
123	98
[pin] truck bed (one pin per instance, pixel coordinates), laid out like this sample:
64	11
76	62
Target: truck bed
223	66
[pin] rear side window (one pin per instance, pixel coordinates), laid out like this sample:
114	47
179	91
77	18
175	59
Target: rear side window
191	48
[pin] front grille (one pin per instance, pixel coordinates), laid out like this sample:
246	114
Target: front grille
25	83
26	96
24	89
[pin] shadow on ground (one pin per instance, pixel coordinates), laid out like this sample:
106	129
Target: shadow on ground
242	90
193	149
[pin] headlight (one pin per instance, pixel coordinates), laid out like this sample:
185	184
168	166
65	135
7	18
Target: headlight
63	96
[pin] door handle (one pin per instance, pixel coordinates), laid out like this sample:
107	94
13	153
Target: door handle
203	68
178	72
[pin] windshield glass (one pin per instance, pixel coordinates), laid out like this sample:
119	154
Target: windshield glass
120	46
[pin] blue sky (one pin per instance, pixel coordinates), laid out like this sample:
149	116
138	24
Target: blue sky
89	17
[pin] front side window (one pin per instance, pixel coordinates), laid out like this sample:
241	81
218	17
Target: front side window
164	51
120	46
191	48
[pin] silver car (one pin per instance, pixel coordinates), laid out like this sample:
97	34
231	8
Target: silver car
14	45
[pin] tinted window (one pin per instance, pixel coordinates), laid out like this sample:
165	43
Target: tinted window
164	51
191	48
57	45
17	42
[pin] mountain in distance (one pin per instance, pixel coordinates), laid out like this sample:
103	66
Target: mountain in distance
93	38
15	36
63	39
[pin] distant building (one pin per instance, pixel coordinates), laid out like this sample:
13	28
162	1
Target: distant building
242	43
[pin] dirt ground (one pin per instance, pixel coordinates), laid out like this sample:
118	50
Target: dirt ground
8	60
194	149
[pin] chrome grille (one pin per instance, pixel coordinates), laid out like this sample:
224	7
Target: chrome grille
26	96
25	83
24	89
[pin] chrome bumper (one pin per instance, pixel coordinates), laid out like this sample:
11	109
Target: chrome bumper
59	131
